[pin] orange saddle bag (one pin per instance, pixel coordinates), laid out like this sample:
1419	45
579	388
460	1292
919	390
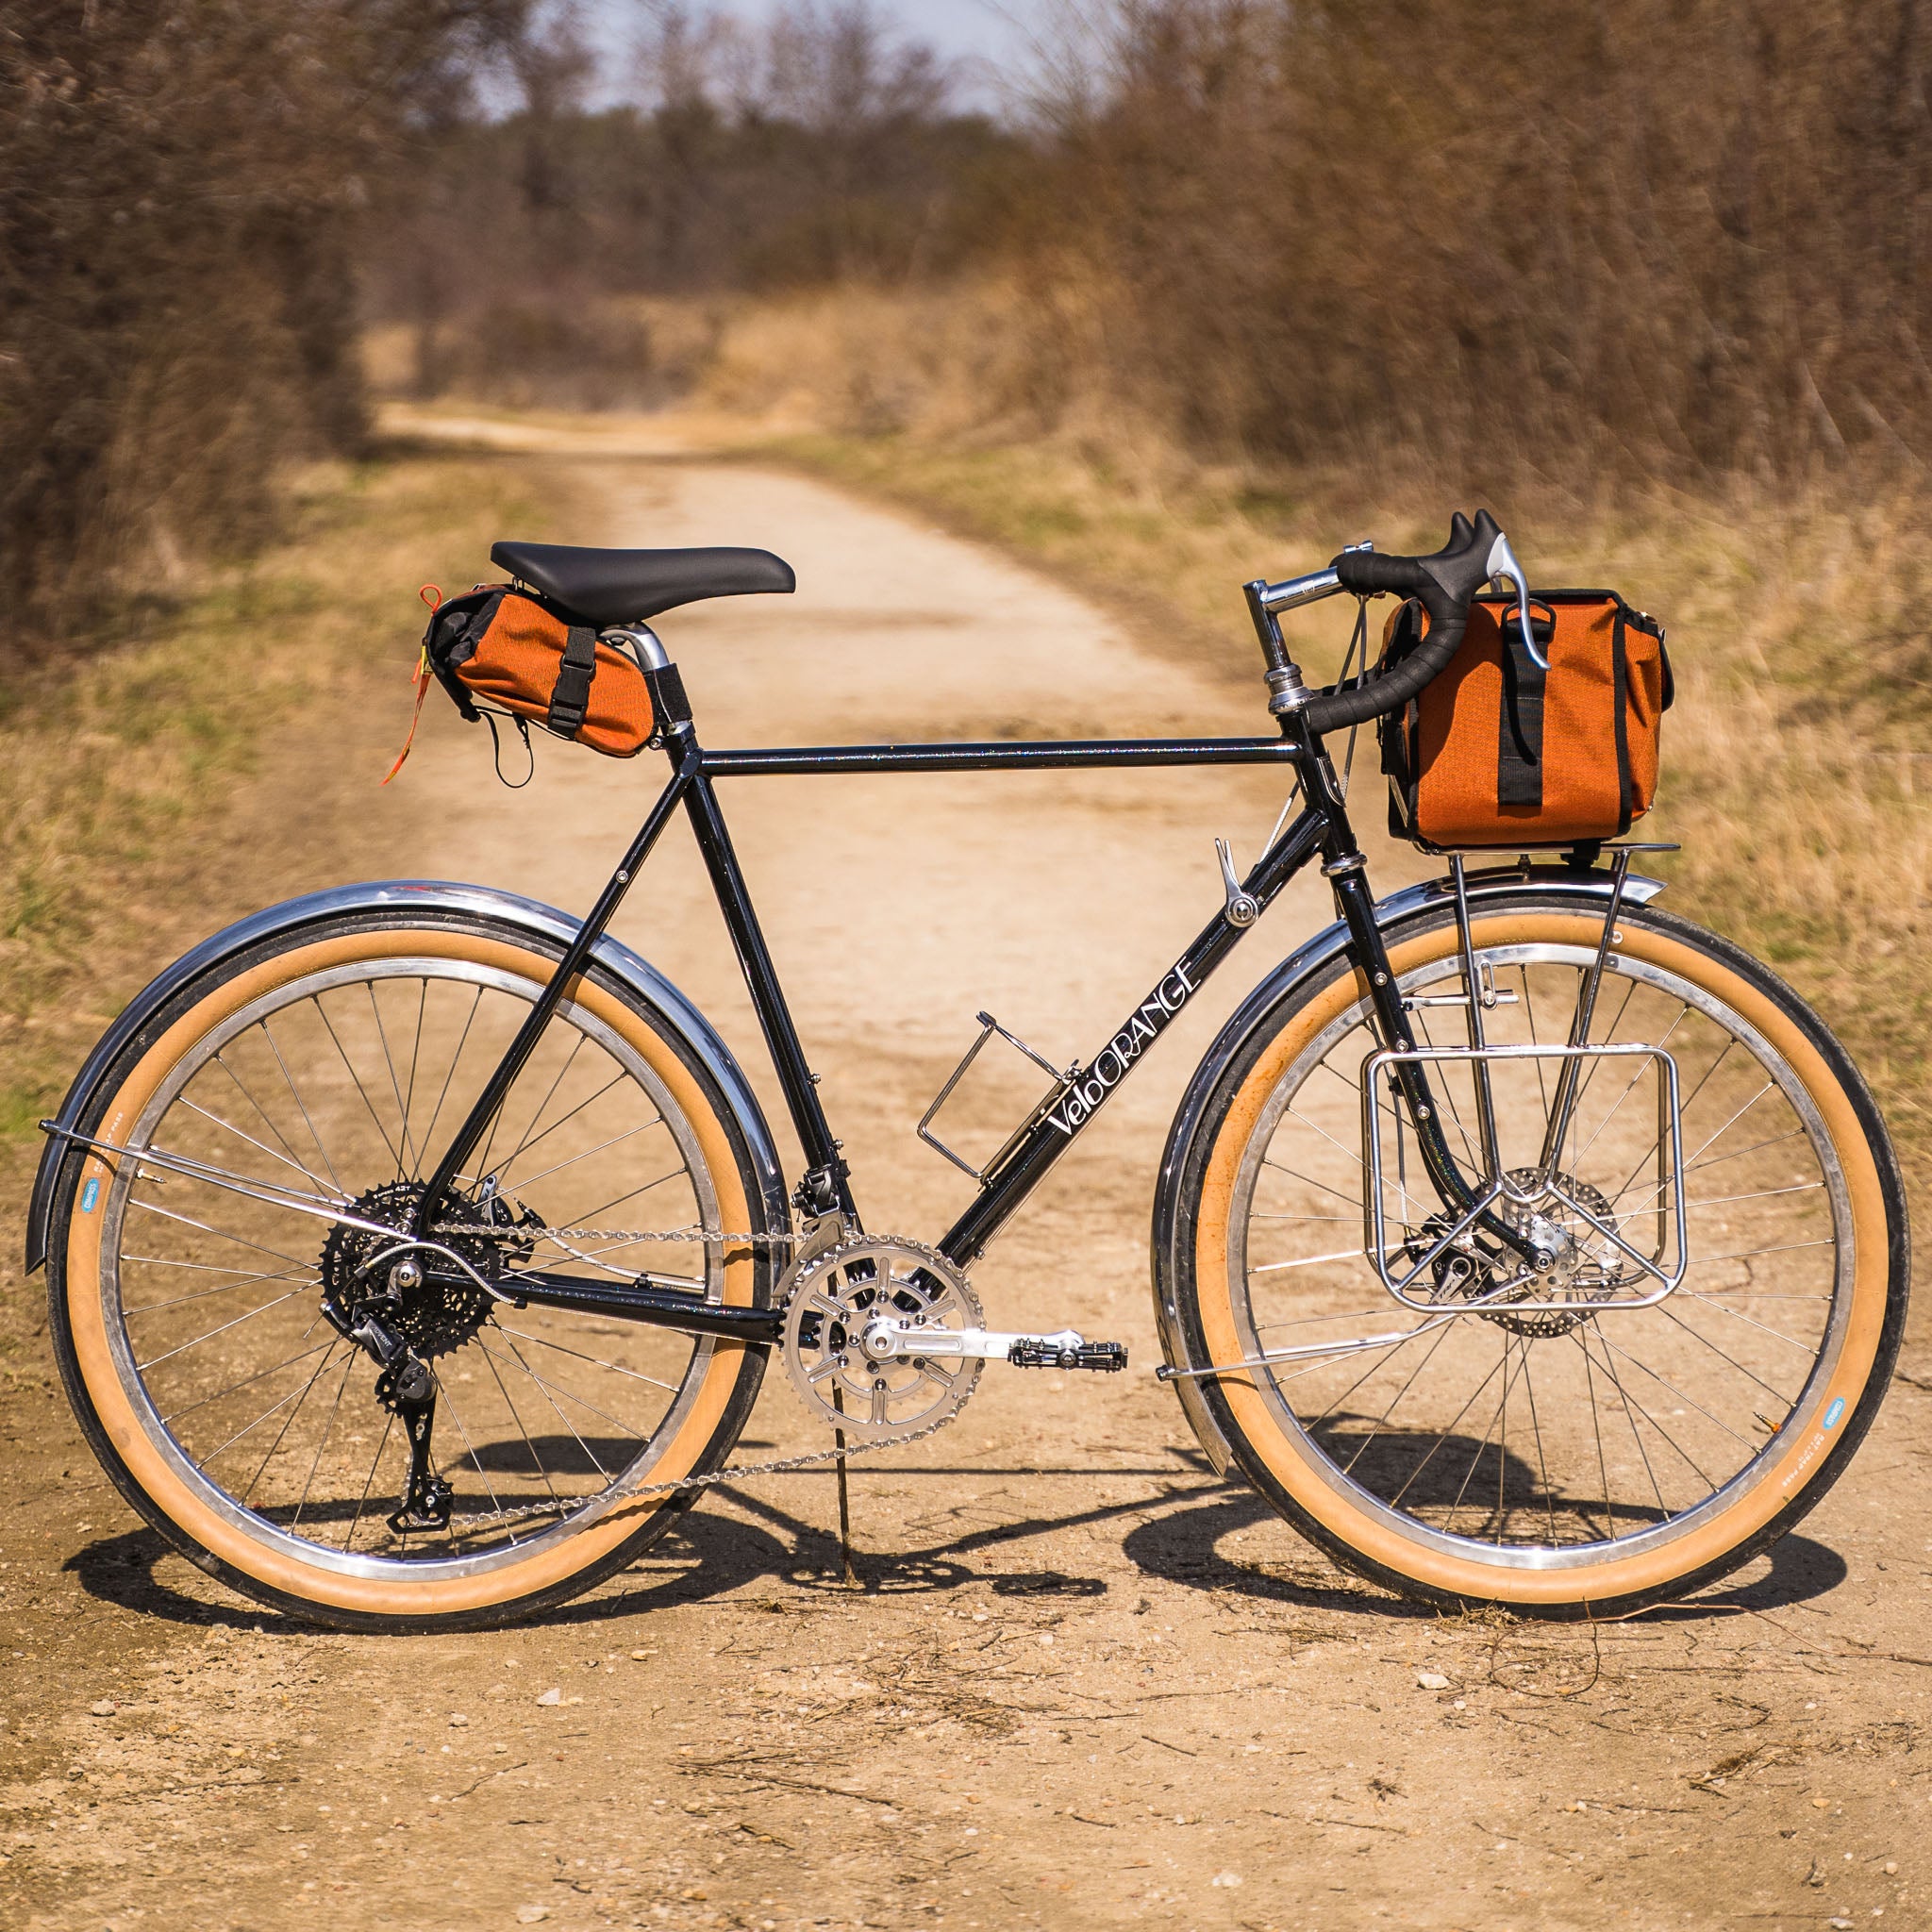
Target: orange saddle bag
517	652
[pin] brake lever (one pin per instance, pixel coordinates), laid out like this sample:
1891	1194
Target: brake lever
1505	567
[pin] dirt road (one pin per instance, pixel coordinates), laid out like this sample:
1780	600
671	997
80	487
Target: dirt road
1085	1684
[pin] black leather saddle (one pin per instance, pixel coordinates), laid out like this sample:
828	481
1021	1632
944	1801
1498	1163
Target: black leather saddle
633	586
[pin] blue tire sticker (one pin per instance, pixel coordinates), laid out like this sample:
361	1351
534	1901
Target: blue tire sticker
1832	1414
89	1194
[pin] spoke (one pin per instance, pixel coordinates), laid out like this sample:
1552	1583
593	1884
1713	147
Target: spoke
301	1356
530	1180
369	1483
1762	1327
1697	1335
127	1314
1443	1435
1691	1401
1529	1013
1535	1433
606	1207
286	1157
543	1383
462	1041
1752	1253
1448	1093
482	1474
415	1057
1603	1467
297	1396
219	1232
288	1080
155	1362
1607	1038
1580	1336
569	1059
1321	1186
516	1415
395	1085
1309	1261
1475	1461
322	1447
1629	1087
348	1067
615	1368
1375	1428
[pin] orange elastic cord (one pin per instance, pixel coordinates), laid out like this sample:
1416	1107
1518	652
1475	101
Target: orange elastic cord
432	596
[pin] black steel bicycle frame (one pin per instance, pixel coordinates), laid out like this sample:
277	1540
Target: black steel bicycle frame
1322	829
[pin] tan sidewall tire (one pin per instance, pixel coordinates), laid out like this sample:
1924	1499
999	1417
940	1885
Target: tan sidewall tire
544	1575
1281	1460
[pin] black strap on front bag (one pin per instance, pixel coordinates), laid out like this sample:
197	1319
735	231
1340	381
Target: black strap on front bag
569	698
1519	727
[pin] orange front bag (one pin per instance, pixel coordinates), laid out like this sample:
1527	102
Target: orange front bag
520	653
1499	752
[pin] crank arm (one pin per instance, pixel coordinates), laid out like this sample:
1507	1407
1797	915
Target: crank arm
896	1340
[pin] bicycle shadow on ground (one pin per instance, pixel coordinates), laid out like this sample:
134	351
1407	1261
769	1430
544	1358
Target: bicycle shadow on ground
700	1557
1183	1546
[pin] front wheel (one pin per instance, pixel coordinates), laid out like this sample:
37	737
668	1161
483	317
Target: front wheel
1573	1456
322	1069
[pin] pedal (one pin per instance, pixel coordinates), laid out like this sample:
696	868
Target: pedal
888	1338
1067	1351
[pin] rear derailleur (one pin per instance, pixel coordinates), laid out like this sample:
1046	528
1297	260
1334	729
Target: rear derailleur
380	1297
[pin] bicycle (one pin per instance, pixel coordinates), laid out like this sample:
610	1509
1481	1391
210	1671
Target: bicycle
1573	1312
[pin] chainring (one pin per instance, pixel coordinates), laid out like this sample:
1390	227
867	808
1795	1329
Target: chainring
832	1299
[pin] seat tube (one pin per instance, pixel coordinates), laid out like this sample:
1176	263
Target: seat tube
827	1173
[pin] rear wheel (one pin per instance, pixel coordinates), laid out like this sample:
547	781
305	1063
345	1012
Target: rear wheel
325	1070
1587	1457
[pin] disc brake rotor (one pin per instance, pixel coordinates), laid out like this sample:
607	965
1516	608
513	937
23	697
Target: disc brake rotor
834	1300
1580	1265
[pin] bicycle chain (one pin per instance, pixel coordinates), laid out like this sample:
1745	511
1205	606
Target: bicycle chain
628	1235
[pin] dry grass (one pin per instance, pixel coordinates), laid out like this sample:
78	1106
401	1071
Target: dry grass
112	765
1796	769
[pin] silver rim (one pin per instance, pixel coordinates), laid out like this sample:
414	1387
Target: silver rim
1620	1430
341	1082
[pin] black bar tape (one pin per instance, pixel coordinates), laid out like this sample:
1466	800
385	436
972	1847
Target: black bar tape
1367	573
1443	583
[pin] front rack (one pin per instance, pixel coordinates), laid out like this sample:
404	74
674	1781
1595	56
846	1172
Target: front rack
1500	1189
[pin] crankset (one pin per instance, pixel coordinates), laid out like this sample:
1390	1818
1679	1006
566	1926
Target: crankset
883	1336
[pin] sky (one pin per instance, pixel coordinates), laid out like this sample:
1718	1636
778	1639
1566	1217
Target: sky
974	32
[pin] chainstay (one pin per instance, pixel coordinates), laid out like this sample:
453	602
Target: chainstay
736	1473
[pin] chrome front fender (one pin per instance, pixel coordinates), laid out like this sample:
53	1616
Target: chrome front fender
1171	1225
634	974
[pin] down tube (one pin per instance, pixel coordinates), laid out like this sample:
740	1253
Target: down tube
1008	1186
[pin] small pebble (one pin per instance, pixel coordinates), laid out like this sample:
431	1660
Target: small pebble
458	1720
1431	1680
106	1707
531	1915
553	1695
